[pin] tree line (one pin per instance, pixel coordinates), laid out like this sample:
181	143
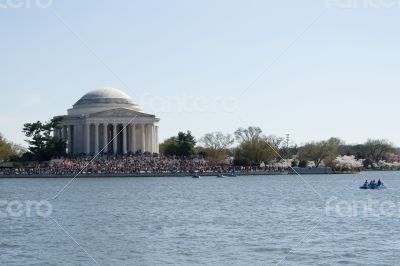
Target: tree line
245	147
250	147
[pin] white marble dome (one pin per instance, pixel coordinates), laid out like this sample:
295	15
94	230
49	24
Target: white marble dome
104	95
103	99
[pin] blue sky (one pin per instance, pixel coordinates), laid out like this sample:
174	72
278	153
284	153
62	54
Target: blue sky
312	69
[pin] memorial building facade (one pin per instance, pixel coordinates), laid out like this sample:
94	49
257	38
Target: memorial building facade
106	120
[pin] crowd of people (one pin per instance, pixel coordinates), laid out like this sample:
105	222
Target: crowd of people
127	164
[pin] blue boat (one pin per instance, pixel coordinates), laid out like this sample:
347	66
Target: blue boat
373	186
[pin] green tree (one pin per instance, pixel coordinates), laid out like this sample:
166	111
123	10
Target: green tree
42	144
356	150
186	143
169	147
376	150
181	145
241	161
256	151
319	151
254	147
216	146
9	150
249	134
303	164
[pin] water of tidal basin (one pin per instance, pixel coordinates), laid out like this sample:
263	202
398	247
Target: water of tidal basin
183	221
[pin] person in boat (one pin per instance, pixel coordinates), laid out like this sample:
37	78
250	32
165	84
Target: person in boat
379	182
366	183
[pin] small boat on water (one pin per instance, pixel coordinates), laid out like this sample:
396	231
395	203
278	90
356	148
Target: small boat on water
220	175
196	176
373	186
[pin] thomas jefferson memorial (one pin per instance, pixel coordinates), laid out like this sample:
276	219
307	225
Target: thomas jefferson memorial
106	120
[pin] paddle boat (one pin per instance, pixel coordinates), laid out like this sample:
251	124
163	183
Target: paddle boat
373	186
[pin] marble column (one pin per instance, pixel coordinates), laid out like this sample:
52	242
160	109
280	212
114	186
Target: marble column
115	138
151	138
133	138
96	139
63	133
105	138
146	137
56	133
87	139
157	145
154	139
124	144
69	141
143	133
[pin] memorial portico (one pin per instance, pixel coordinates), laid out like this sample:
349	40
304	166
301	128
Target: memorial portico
107	121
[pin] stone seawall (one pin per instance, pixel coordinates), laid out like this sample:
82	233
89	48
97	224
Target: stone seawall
294	171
